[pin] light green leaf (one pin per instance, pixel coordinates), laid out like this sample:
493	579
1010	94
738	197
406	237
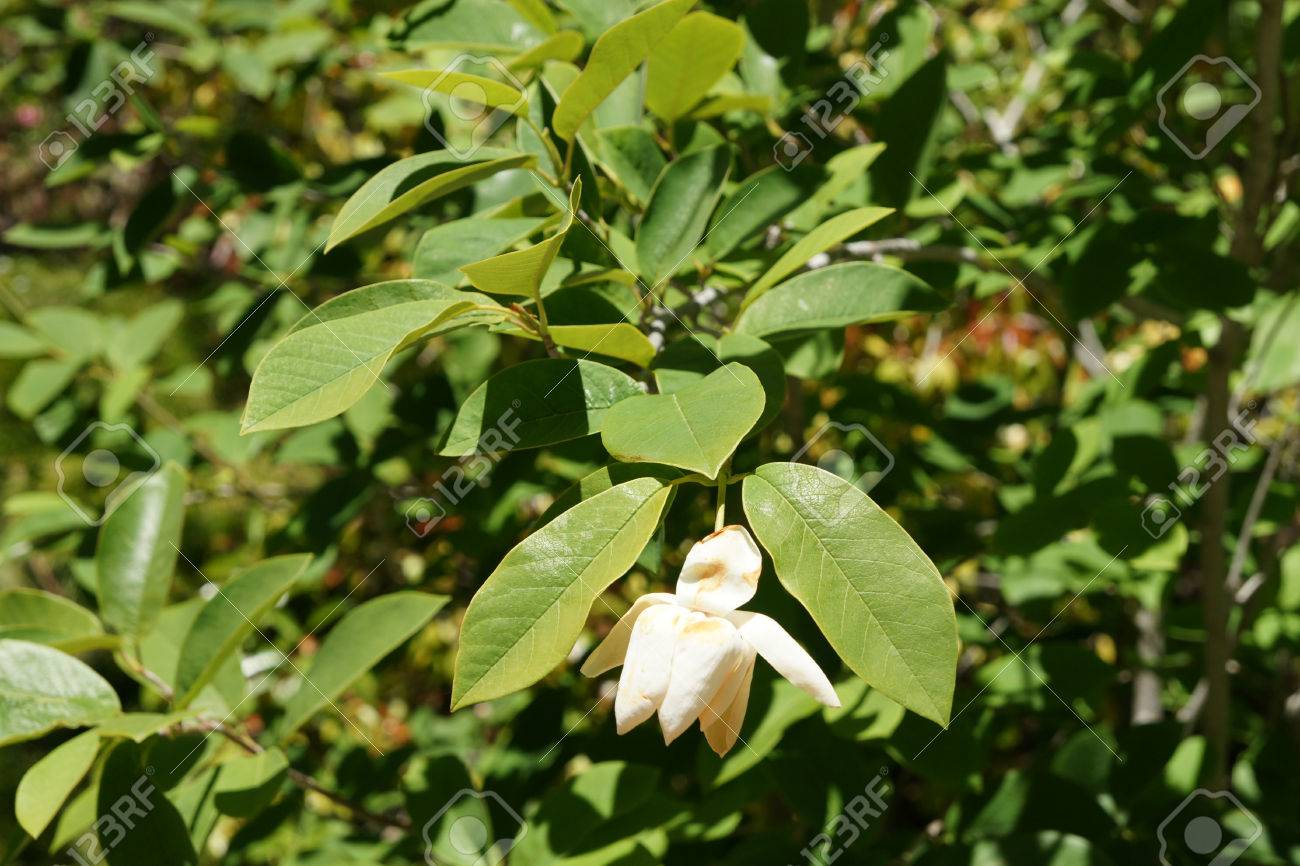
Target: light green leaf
134	342
679	210
360	640
631	155
602	479
45	787
525	618
520	272
38	383
564	46
160	652
621	340
18	342
464	86
77	333
444	248
820	239
43	617
42	689
690	60
137	726
616	53
537	403
872	591
410	182
696	428
335	354
687	361
247	784
229	617
844	169
137	551
834	297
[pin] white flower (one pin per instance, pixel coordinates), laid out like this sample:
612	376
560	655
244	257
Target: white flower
690	654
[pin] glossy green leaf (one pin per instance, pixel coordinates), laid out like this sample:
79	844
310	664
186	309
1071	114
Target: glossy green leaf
410	182
872	591
361	639
689	61
632	156
851	293
687	361
137	551
679	210
43	617
247	784
820	239
537	403
45	787
443	249
525	618
336	353
695	428
42	689
229	617
520	272
616	53
464	86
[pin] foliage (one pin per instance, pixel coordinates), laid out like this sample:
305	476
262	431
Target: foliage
364	363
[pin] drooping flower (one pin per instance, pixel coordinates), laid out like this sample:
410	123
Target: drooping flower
690	654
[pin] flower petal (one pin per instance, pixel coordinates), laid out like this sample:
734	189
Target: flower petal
706	651
613	648
721	571
646	669
723	731
784	653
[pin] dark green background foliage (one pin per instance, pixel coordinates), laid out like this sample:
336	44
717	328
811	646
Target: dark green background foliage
970	253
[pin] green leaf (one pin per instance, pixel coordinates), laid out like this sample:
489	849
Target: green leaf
160	652
756	203
872	591
137	551
137	726
851	293
444	248
564	46
360	640
781	704
247	784
687	361
631	155
521	272
43	617
42	689
525	618
696	428
602	479
689	61
909	125
537	403
616	53
132	343
229	617
464	86
336	353
820	239
158	835
46	786
620	340
18	342
679	210
77	333
410	182
38	383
